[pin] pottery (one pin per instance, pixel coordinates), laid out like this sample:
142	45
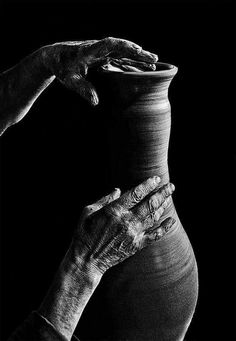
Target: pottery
152	295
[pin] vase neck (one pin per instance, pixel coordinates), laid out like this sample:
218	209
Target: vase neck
139	126
140	136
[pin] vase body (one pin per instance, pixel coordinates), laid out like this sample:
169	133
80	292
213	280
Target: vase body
153	294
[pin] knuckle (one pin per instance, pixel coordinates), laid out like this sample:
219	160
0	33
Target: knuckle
168	201
158	213
148	221
109	40
164	204
167	189
112	210
138	193
153	204
164	192
157	216
162	207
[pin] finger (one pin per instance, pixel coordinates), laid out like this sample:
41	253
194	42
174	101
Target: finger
120	68
106	200
150	205
159	233
84	88
120	48
88	210
129	68
148	222
132	197
110	67
124	62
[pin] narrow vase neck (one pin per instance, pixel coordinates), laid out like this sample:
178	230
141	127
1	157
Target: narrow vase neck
139	125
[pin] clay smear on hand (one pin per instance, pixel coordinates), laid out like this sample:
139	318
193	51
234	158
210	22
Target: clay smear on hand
125	64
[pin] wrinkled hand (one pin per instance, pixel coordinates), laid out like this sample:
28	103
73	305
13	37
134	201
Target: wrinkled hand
116	227
70	61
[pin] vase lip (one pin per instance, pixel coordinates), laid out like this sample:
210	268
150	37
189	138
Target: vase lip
165	69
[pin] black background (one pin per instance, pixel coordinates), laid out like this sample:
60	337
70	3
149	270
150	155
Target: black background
54	161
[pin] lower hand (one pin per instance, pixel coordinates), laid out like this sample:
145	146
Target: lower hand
116	227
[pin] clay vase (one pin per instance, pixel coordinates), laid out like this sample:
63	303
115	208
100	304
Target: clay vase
152	295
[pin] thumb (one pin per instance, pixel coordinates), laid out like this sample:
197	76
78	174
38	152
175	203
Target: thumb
84	88
106	200
90	209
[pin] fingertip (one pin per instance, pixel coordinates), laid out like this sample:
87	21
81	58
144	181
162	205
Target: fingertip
148	56
117	192
155	57
153	67
94	98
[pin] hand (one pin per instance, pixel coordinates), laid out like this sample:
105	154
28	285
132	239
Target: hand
116	227
70	61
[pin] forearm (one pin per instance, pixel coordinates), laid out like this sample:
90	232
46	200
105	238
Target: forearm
20	86
71	290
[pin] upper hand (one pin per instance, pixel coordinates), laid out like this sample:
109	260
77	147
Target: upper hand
70	61
116	227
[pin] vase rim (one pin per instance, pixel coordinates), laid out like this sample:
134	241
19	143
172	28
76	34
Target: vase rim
165	69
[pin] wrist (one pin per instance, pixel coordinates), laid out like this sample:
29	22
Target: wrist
70	292
77	264
46	56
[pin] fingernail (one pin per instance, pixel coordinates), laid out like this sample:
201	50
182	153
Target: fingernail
170	223
116	193
94	98
157	179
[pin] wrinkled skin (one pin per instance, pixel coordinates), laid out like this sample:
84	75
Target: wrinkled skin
116	227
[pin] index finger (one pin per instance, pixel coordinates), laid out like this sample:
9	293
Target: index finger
132	197
121	48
